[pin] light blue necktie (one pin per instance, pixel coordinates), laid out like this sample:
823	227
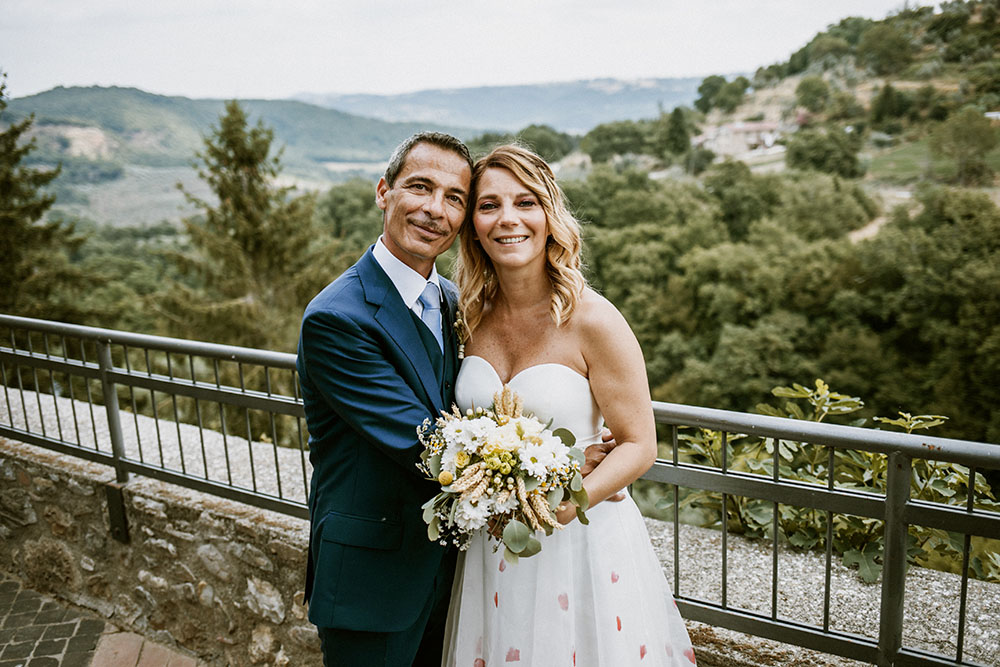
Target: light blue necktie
430	299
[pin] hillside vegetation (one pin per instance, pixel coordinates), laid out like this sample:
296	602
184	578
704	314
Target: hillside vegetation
127	125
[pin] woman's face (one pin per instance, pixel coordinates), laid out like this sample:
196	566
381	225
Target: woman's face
509	220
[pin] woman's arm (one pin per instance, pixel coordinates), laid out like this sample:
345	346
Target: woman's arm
617	375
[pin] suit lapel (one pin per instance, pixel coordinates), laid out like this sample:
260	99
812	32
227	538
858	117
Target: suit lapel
395	318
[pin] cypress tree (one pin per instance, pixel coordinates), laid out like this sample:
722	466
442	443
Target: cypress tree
37	278
254	260
678	139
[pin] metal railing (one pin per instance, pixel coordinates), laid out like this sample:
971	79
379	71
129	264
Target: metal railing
894	507
221	419
229	421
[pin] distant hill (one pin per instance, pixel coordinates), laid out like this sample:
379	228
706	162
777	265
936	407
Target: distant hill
131	126
575	106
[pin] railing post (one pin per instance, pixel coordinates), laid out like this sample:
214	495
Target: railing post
897	493
111	406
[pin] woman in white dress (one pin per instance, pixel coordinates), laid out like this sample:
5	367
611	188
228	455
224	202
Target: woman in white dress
595	594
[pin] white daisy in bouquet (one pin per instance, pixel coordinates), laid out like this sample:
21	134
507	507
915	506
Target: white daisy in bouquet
502	470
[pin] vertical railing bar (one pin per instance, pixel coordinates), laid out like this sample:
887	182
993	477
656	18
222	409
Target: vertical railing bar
90	395
829	545
111	407
274	432
156	411
177	416
675	458
197	411
775	525
135	410
246	413
20	386
52	382
302	449
6	392
38	389
222	419
72	392
725	525
890	635
966	553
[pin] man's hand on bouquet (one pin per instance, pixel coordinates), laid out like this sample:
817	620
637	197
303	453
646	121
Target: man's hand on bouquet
594	455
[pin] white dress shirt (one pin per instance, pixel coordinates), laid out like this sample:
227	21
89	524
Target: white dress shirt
407	282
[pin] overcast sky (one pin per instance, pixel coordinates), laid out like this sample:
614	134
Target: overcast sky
276	48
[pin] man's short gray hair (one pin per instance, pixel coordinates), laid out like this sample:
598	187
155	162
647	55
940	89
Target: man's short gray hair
439	139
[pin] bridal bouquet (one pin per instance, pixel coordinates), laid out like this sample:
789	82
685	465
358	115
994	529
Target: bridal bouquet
499	468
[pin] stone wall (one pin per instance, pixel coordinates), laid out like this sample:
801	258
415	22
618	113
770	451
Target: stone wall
219	578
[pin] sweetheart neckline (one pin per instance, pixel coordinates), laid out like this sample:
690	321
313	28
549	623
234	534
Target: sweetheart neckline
525	369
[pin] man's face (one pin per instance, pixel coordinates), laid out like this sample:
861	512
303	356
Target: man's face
424	209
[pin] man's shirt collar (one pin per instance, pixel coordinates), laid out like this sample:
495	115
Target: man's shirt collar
407	282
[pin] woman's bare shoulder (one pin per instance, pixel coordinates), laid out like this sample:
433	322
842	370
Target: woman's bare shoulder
596	312
599	321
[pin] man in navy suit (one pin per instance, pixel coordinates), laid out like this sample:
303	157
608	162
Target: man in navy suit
377	355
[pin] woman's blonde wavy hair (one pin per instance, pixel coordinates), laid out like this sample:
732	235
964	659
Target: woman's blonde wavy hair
475	273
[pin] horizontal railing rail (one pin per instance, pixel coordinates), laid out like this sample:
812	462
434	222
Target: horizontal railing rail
229	421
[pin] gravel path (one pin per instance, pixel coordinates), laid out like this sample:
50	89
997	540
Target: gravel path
931	597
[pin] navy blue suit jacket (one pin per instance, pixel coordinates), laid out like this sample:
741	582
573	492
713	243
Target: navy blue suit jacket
367	382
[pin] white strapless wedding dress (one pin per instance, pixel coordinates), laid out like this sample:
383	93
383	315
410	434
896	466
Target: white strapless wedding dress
594	596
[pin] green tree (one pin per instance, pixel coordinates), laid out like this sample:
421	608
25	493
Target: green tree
487	141
885	48
709	88
966	137
38	278
347	215
833	151
889	105
616	138
547	141
743	196
825	45
926	287
813	93
677	133
731	95
254	259
844	106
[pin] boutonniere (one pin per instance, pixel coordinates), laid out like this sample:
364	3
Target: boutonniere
461	333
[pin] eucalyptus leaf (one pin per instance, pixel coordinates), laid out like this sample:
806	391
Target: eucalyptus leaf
580	498
532	548
581	516
434	529
577	455
434	465
515	536
566	436
531	483
576	483
554	497
509	556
